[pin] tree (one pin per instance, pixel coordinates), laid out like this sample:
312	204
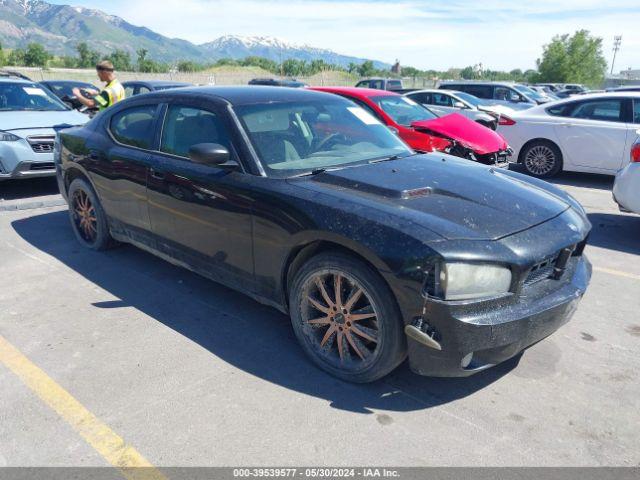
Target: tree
365	69
573	59
88	57
469	73
36	56
16	58
3	59
121	60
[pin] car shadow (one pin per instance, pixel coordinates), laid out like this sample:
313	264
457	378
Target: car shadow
28	188
615	232
585	180
252	337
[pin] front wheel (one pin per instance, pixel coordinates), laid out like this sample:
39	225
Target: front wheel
346	318
542	159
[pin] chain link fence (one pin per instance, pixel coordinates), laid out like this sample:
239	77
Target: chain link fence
218	77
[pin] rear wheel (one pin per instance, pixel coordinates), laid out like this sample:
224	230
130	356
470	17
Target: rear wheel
346	318
542	159
87	217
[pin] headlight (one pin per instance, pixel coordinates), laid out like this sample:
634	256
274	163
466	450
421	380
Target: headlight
8	137
464	281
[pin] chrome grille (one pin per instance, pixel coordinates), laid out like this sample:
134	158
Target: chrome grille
41	143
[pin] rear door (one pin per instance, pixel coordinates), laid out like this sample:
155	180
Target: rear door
119	167
593	133
199	213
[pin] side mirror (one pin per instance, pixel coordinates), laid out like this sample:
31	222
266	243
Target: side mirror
459	104
209	154
515	98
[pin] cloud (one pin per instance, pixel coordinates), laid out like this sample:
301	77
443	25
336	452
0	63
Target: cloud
427	34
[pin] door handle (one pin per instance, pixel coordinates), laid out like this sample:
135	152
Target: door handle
157	175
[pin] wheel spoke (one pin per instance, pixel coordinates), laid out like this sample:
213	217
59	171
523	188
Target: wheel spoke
361	316
323	291
317	305
320	321
364	332
340	342
353	344
353	299
337	286
328	334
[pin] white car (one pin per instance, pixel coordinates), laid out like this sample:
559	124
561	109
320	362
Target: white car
589	133
444	102
626	189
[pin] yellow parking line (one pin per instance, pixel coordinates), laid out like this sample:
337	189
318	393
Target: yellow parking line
619	273
96	433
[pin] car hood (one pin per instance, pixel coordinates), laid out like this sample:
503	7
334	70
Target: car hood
454	198
26	120
470	134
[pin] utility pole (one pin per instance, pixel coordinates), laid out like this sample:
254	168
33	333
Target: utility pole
617	40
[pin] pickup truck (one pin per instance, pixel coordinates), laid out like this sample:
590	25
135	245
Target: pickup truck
379	83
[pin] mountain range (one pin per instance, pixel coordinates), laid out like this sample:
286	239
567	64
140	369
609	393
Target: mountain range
61	27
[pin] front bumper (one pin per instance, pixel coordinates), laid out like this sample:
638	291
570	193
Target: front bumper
498	331
19	160
42	168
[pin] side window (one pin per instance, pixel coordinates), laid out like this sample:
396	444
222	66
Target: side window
378	84
502	93
442	100
134	126
367	107
128	91
186	126
143	89
362	84
480	91
559	110
636	111
423	97
604	110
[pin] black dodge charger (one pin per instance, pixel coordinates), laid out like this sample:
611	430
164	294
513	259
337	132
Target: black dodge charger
305	202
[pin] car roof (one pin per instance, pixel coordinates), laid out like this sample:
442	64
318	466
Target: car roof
356	91
478	82
66	82
157	83
242	95
434	90
15	80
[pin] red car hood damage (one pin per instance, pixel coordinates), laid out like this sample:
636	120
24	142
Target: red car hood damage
469	134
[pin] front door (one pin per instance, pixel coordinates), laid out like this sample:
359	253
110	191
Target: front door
198	212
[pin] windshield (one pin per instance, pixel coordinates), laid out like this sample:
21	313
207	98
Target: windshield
528	92
296	138
472	99
66	89
28	96
403	110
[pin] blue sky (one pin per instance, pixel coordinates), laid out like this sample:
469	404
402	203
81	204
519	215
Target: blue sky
437	34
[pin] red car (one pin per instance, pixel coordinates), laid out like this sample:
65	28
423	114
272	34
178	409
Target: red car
423	130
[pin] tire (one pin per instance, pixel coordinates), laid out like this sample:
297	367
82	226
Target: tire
541	159
88	220
357	350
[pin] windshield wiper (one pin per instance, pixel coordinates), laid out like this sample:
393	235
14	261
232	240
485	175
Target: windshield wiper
391	158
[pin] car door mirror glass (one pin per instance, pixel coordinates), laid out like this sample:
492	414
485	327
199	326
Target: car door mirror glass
209	154
459	105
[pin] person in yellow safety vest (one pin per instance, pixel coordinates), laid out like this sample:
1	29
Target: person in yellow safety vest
113	91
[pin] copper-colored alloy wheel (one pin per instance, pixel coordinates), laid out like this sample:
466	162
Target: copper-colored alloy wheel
84	216
341	320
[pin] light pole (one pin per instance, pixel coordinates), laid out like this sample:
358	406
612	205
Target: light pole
617	40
